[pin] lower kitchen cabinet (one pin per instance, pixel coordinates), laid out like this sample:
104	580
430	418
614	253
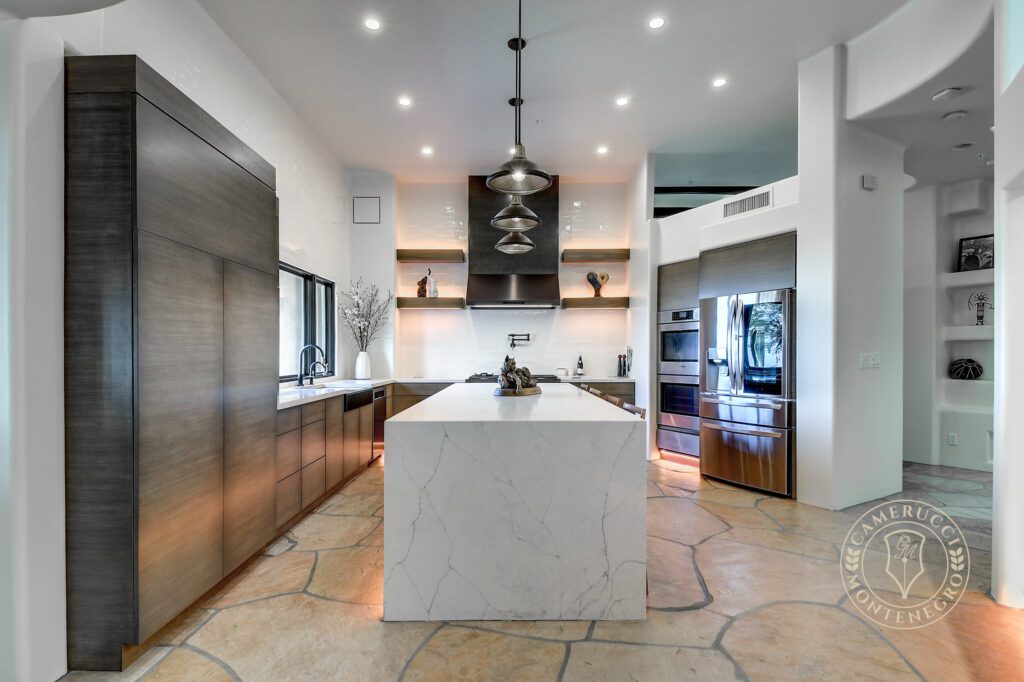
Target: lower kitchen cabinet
289	498
624	390
365	434
314	441
405	395
335	418
314	478
351	443
289	453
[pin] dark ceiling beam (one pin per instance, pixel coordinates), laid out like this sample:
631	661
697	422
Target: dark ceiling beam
703	189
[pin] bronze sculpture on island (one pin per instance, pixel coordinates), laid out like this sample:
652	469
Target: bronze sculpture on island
514	381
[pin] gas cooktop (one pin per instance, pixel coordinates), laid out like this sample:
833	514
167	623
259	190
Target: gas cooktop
488	378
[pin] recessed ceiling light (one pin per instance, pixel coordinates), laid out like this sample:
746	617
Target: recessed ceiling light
372	23
946	93
963	146
719	82
955	116
427	151
621	101
656	22
602	149
404	101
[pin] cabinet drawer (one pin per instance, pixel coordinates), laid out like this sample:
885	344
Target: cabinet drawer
289	454
314	478
288	420
314	442
312	412
419	389
289	498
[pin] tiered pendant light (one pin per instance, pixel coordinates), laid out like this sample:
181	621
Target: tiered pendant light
519	176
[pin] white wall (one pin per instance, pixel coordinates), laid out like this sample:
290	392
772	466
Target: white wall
456	343
372	258
1008	465
182	43
642	239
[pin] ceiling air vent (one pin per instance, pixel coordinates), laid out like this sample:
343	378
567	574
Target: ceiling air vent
747	204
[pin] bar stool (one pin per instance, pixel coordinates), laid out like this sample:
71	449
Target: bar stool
614	400
584	387
596	392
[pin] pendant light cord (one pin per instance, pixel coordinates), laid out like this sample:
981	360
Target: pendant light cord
519	53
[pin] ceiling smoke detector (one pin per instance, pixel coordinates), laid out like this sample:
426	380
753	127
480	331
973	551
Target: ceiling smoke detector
955	116
947	93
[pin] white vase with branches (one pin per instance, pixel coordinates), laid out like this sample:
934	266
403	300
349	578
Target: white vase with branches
365	311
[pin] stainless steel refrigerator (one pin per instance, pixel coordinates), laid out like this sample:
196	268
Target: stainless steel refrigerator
748	389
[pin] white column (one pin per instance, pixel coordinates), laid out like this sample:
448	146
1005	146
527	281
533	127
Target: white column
1008	454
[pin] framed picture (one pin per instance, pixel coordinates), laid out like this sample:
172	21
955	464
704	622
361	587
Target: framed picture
976	253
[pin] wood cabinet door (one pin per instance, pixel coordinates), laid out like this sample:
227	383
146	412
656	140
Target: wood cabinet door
192	193
181	428
314	442
351	444
365	434
335	415
678	285
250	411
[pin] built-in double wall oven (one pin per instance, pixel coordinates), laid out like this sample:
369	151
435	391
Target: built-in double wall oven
679	381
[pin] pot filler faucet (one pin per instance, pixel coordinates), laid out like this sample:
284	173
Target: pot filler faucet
522	338
311	370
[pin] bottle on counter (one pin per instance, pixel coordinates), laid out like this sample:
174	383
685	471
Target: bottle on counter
579	367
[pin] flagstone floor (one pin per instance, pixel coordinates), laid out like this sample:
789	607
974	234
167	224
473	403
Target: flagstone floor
742	586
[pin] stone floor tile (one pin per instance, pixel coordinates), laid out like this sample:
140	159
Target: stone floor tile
653	490
457	653
969	513
977	640
784	541
949	472
353	504
374	539
698	627
353	574
672	580
669	491
280	546
318	531
688	479
264	577
803	518
598	662
301	637
930	483
741	576
746	517
184	664
811	642
562	630
729	496
680	520
963	499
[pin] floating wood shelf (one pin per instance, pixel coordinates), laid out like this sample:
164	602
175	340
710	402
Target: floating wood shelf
595	255
596	302
431	255
971	278
971	332
430	303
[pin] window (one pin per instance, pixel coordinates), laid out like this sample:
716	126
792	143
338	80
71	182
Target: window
306	317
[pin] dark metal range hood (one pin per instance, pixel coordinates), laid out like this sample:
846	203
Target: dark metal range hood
512	282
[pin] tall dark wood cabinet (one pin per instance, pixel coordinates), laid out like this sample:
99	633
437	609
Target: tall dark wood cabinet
171	380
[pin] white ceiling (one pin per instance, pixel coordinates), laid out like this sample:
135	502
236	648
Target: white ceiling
917	121
450	57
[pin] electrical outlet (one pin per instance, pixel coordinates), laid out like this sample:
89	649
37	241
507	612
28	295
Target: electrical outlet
953	439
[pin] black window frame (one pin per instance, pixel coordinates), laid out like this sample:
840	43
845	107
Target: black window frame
310	282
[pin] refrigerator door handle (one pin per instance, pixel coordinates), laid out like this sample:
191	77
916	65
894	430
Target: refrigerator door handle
730	340
759	404
737	340
742	432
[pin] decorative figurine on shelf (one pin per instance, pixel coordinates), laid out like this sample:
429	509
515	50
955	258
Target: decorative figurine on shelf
597	280
431	285
979	302
515	382
965	369
421	288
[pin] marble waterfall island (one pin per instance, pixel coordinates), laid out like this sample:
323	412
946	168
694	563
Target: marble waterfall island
514	508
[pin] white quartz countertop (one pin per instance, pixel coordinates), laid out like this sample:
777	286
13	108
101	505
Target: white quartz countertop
477	403
292	396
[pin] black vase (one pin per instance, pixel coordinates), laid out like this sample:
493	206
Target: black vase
965	369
